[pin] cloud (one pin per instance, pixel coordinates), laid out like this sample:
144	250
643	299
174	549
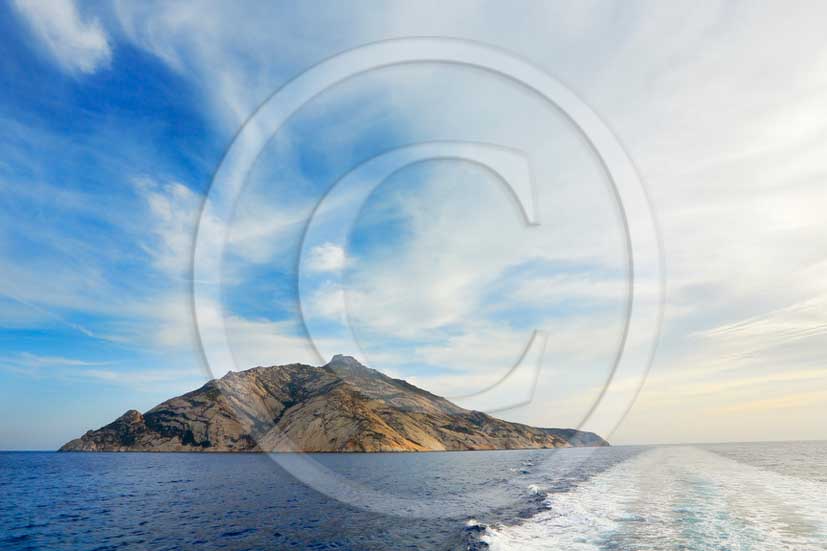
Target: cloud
173	214
36	361
62	368
78	45
468	262
782	327
326	258
118	273
239	56
140	377
328	300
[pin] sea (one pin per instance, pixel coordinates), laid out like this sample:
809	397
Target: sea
757	496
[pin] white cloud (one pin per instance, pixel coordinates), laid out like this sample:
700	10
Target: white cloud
327	301
173	210
172	377
802	320
26	361
78	45
239	56
140	377
466	249
326	258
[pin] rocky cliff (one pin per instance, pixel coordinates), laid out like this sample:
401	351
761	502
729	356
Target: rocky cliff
340	407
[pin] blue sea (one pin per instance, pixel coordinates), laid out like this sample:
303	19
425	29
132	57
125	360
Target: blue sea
717	497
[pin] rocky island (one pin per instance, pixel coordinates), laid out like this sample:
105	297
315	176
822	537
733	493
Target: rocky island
342	406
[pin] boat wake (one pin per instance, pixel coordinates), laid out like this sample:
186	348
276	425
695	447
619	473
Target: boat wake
676	498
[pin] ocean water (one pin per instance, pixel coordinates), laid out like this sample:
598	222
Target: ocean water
759	497
723	497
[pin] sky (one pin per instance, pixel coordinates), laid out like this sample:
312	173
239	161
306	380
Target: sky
116	117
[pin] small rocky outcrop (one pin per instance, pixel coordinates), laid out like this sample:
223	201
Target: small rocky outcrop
342	406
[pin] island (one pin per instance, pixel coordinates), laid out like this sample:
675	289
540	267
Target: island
342	406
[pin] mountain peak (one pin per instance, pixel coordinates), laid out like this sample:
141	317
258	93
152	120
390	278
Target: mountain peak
345	359
347	367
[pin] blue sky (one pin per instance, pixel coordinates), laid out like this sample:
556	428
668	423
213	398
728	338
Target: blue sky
115	117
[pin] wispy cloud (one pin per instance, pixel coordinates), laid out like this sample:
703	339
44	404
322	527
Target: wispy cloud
802	320
36	361
141	377
78	44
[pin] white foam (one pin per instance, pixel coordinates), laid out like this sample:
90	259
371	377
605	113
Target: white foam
677	498
535	489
